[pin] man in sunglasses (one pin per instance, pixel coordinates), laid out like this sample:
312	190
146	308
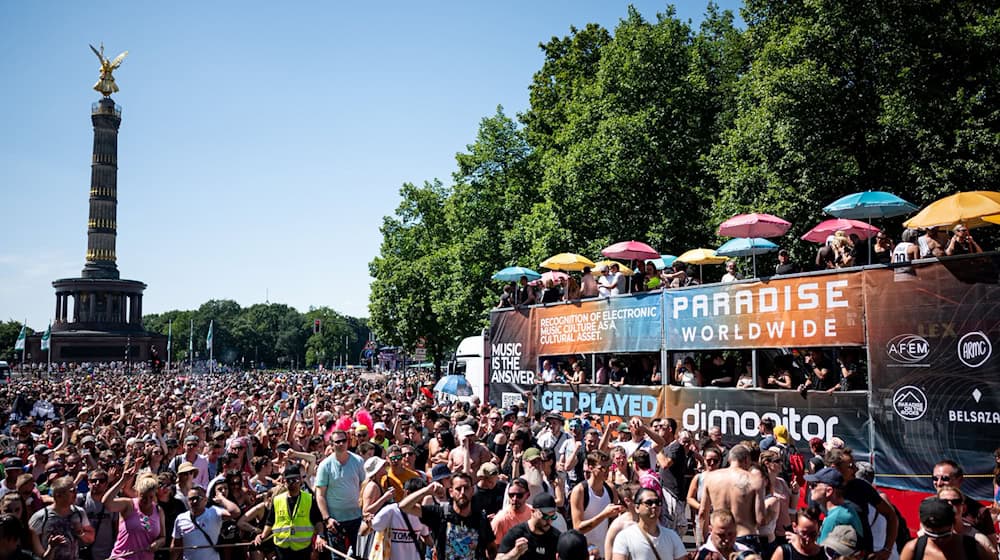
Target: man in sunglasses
105	523
517	510
949	473
826	488
647	539
534	539
397	474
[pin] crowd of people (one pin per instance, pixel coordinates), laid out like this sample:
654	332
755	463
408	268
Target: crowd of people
814	369
841	250
297	465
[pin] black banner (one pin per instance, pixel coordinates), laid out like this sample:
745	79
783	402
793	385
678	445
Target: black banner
933	335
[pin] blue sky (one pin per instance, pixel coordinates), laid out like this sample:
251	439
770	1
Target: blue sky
261	143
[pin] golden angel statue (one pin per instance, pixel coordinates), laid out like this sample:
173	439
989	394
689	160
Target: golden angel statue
106	84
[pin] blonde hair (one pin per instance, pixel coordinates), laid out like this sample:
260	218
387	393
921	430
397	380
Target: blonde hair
146	482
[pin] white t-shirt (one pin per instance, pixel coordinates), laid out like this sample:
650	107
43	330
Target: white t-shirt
211	521
402	547
631	543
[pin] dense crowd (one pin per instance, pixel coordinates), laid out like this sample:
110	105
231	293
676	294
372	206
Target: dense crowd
298	466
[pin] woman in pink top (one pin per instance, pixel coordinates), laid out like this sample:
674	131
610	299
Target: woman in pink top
141	528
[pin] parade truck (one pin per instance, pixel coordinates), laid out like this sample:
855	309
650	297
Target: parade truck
923	333
470	361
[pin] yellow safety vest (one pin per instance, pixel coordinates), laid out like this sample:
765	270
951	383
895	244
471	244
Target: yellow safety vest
294	532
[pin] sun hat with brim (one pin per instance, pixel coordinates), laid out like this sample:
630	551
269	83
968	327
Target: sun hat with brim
843	540
186	467
372	466
463	431
488	469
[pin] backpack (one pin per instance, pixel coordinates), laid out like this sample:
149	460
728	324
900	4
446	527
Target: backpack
586	497
793	465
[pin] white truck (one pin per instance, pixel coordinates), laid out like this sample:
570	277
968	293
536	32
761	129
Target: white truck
470	361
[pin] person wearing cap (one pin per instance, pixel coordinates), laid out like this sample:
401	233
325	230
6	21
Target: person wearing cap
459	531
553	435
864	497
827	490
185	481
469	454
802	543
647	539
534	538
785	264
842	542
516	509
571	454
192	446
380	438
490	490
293	518
338	485
13	467
956	499
442	475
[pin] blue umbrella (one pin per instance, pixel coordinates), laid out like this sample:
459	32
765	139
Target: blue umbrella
514	273
665	261
869	204
456	385
746	246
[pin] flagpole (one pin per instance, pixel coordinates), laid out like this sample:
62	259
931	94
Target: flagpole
170	332
48	333
24	347
211	346
191	347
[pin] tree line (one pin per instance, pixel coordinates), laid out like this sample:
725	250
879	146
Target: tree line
659	131
273	334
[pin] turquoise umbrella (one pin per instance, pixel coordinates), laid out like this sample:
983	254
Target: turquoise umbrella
746	246
514	273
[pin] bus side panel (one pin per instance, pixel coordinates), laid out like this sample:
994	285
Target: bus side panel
934	339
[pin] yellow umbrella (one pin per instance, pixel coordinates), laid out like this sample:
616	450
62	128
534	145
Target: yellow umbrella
969	208
702	256
600	265
567	261
992	219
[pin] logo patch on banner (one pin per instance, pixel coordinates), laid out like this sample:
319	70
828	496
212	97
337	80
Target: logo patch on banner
908	349
909	402
974	349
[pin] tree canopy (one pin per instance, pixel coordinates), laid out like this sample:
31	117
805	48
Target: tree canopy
659	131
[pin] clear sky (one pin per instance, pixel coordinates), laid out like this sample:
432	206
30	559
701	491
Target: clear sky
261	142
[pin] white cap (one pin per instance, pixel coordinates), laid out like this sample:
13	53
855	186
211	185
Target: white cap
380	426
463	431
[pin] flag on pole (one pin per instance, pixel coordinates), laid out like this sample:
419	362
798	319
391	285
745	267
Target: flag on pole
19	345
170	334
208	339
46	337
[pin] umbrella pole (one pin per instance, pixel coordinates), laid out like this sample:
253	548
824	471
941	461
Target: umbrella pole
755	265
869	241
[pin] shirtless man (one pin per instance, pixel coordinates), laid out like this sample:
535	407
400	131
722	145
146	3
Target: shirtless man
470	454
740	491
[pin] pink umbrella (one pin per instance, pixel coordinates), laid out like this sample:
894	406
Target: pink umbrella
754	225
825	229
553	275
631	250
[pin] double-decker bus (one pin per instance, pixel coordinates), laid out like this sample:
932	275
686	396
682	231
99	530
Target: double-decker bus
925	335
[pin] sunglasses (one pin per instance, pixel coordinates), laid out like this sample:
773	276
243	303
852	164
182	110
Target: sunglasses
395	457
195	499
409	454
811	535
339	441
652	503
941	478
549	516
516	494
98	480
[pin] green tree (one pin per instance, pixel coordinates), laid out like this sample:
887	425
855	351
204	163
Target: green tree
9	331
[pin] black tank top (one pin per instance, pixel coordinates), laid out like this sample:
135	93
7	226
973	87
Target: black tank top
789	553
